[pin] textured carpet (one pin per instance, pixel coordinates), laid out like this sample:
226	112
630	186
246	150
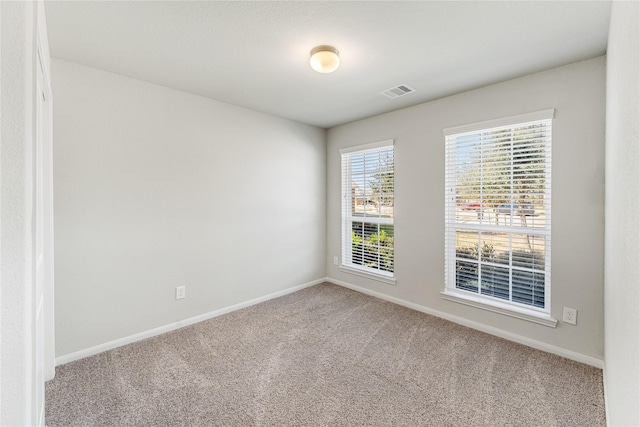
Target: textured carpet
325	356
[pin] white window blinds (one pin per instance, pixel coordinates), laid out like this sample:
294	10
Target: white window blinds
367	208
498	211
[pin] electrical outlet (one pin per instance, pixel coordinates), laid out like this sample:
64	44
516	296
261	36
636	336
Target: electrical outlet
570	315
181	292
335	260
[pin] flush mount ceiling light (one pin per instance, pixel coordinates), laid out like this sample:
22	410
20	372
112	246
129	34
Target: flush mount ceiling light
324	59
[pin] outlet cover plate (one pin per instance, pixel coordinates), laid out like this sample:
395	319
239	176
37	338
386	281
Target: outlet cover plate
570	315
181	292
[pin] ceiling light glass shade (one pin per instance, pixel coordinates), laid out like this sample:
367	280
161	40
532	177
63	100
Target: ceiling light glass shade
324	59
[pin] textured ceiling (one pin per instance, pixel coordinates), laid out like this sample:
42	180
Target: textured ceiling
255	54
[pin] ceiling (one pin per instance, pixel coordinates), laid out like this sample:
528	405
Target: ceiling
256	54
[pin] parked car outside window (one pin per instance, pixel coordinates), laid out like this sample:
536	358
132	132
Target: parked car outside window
515	209
471	206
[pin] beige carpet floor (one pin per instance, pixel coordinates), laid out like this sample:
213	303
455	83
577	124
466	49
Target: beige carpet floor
325	356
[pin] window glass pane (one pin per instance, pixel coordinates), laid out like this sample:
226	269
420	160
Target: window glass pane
467	276
528	251
385	203
357	249
496	247
494	281
369	245
488	252
528	287
357	206
358	182
372	245
467	244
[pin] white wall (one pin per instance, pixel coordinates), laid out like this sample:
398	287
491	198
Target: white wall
622	229
17	379
156	188
15	212
577	92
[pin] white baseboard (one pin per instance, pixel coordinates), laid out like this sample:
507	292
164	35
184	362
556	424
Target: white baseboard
61	360
572	355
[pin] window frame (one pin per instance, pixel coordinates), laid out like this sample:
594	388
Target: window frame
452	225
347	219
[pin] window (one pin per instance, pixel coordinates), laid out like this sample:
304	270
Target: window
367	210
498	213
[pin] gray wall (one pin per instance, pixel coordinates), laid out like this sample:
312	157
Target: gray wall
622	247
155	188
577	92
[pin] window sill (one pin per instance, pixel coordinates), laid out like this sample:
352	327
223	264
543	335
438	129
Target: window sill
523	314
389	280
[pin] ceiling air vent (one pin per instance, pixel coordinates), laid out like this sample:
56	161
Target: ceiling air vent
397	91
